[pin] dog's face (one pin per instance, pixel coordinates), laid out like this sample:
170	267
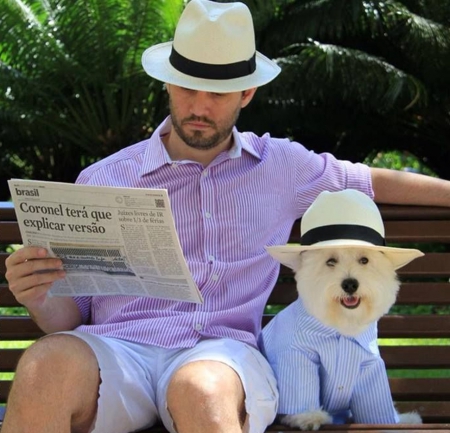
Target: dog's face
346	288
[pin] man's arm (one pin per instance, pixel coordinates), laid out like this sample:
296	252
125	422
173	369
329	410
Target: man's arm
400	187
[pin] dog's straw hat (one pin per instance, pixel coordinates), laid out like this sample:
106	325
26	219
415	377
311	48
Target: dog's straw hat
344	219
213	50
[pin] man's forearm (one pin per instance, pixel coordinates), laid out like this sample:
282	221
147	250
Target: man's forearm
57	314
399	187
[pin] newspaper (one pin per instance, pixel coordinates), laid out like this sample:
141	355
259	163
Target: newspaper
111	241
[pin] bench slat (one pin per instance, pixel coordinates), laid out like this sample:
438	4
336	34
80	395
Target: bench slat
354	428
416	357
10	232
9	359
431	412
417	231
417	326
420	389
18	328
410	213
6	297
395	326
404	357
5	385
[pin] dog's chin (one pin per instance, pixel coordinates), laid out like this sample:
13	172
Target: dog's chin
350	315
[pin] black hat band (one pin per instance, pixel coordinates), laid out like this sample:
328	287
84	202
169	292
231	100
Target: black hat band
213	72
342	231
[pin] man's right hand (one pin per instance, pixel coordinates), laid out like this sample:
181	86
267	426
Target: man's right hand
30	273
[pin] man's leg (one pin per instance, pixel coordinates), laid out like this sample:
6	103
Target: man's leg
55	389
217	386
206	397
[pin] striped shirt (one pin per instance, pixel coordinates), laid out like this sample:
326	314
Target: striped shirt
225	214
316	367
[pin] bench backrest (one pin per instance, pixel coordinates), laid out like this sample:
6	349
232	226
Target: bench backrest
420	374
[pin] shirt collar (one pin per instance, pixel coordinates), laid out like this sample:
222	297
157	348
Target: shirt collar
366	339
156	155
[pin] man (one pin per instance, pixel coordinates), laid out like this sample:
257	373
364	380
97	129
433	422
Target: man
121	363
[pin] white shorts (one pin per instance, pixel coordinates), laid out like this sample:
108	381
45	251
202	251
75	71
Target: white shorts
134	380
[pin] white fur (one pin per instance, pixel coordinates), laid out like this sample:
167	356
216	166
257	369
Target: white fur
410	418
319	286
307	421
319	275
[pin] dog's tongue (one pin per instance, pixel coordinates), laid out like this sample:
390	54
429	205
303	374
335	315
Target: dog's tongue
350	301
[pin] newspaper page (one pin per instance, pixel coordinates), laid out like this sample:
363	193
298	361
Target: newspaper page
111	240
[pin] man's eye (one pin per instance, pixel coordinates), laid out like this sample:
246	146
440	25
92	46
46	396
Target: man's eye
363	260
331	262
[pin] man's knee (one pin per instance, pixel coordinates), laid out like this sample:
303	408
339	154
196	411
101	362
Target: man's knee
57	357
57	378
208	386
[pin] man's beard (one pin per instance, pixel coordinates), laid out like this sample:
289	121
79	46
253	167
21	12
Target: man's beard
197	139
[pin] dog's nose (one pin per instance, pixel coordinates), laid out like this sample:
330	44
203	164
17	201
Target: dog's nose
350	285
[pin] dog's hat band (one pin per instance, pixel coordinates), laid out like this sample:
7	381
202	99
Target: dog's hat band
342	231
212	71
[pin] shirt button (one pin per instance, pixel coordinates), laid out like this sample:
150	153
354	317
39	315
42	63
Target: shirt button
214	277
198	327
207	215
211	258
205	173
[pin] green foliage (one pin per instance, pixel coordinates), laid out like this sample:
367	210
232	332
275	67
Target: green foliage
398	161
359	78
72	86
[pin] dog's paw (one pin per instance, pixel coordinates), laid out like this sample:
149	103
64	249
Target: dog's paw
307	420
409	418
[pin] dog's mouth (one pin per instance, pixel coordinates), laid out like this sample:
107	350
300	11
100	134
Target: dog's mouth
350	302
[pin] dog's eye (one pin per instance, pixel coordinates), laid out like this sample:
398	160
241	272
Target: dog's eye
331	262
363	260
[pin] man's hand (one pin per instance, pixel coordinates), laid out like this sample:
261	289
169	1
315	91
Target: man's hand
30	273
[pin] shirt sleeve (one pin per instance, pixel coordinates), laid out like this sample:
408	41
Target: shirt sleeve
372	401
84	305
298	382
316	172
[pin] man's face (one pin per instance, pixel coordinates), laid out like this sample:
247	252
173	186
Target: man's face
204	120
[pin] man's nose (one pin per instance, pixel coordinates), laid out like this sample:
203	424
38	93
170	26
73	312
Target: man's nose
200	103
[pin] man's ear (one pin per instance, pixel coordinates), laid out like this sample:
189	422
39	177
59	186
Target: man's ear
247	96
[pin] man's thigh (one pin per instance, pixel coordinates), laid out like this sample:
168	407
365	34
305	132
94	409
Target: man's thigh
258	381
126	399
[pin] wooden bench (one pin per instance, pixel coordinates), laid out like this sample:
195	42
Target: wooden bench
425	286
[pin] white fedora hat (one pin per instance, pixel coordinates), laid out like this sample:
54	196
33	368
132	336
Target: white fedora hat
213	50
344	219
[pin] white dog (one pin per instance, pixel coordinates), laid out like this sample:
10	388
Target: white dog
323	347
